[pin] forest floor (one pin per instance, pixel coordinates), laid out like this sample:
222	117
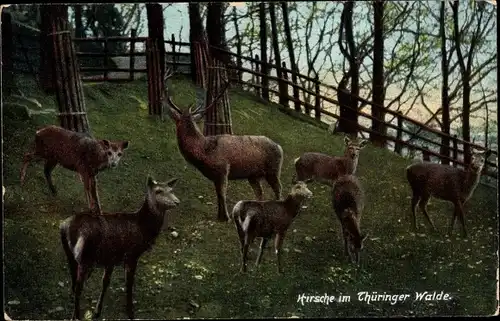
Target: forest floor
196	274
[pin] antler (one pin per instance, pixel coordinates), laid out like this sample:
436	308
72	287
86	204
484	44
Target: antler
168	74
200	110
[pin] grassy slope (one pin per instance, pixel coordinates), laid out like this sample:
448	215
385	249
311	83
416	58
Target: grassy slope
394	260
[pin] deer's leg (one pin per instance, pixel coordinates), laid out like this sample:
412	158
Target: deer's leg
423	206
274	182
414	202
221	190
82	272
452	222
241	234
130	268
94	194
257	188
28	157
105	283
244	251
47	170
278	242
460	211
263	243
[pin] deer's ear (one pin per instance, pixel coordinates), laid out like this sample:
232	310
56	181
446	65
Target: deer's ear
106	142
363	143
125	144
174	114
347	140
150	181
172	182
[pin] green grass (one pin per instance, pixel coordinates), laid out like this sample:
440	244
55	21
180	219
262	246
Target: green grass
196	274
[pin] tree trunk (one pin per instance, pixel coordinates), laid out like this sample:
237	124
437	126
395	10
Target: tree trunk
218	116
291	53
283	88
378	124
348	122
445	102
69	92
215	31
239	63
79	32
263	51
155	31
465	73
7	53
196	32
46	72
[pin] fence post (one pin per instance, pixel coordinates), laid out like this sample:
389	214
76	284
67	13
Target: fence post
398	147
455	150
106	57
174	63
317	102
133	35
257	77
425	153
284	73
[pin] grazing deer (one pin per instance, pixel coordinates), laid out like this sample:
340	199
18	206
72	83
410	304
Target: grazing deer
78	152
325	168
112	239
226	157
348	203
266	219
444	182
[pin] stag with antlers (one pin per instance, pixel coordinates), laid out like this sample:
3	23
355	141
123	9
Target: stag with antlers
225	157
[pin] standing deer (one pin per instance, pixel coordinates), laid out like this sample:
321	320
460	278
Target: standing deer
444	182
267	219
78	152
325	168
113	239
348	203
226	157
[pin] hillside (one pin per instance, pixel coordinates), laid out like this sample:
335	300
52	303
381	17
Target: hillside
196	274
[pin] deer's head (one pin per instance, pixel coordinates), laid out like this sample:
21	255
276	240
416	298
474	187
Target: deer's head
160	194
478	160
187	118
352	148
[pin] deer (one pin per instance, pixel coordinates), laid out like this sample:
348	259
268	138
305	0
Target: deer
324	168
445	182
112	239
348	203
267	219
77	152
221	158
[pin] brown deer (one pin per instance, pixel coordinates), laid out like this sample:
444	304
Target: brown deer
78	152
348	204
113	239
226	157
444	182
326	169
266	219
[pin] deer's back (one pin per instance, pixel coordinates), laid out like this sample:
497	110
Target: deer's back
108	238
246	155
436	179
322	165
347	193
66	147
269	218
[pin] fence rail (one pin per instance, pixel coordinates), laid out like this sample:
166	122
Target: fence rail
314	107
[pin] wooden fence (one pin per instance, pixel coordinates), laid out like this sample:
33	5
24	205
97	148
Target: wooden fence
313	107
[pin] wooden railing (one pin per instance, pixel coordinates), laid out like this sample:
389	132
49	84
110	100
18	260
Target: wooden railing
318	93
